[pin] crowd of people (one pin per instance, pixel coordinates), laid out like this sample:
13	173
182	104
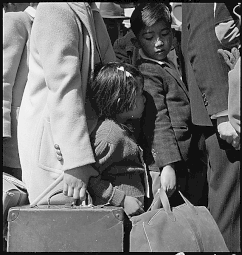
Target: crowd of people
125	111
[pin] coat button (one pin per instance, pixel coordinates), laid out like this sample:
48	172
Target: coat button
59	157
57	146
58	152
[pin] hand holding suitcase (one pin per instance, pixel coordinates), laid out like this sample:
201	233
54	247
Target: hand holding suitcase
67	228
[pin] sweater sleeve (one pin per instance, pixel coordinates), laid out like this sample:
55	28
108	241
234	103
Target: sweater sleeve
109	148
15	36
163	141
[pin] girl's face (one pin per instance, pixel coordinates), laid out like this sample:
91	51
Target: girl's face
136	112
156	40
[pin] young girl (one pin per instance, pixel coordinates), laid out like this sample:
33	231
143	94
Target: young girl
116	94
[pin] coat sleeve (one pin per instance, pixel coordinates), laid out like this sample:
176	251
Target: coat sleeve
15	36
60	55
164	145
106	154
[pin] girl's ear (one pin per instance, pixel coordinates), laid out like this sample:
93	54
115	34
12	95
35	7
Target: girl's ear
135	42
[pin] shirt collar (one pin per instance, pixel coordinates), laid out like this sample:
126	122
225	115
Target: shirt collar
142	54
31	11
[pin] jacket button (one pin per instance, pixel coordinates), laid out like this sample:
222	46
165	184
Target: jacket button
57	146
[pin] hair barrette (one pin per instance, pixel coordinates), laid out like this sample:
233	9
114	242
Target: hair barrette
121	68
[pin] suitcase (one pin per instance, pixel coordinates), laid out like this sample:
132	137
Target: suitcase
68	227
62	228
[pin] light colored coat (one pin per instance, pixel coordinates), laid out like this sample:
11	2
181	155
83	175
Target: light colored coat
53	110
16	33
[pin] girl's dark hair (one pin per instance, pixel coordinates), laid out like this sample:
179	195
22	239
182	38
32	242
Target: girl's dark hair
147	14
114	89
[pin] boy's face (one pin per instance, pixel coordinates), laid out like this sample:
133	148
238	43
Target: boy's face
156	40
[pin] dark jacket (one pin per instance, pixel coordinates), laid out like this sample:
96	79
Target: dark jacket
166	121
206	72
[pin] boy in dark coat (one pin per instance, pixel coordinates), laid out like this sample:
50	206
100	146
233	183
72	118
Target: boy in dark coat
167	129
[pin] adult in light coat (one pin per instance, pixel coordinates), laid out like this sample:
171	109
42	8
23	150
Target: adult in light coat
55	117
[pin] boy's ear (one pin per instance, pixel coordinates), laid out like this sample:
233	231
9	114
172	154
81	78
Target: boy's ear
135	42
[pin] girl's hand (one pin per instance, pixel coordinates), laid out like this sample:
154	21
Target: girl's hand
132	206
168	180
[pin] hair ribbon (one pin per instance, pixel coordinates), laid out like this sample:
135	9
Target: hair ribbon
121	68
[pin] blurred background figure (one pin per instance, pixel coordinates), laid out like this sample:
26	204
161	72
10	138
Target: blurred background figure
113	16
14	7
16	34
176	14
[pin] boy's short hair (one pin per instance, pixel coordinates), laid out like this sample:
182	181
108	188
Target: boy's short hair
147	14
113	89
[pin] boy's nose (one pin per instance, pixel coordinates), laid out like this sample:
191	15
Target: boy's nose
159	42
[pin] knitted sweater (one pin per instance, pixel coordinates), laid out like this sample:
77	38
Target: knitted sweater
118	162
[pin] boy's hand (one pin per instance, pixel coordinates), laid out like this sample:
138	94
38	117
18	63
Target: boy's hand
132	206
168	179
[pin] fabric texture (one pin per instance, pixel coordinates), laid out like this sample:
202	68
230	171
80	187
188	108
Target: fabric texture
54	110
16	34
206	74
117	158
166	121
184	228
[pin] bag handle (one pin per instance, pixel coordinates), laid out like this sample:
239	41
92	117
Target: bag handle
161	198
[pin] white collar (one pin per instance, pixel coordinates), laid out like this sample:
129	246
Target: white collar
142	54
162	63
31	11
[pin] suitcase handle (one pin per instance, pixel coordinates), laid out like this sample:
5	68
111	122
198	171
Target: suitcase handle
85	203
47	190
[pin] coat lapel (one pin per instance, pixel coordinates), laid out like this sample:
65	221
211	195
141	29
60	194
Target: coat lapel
174	73
81	9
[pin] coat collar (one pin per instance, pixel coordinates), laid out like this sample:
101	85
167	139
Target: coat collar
84	12
169	67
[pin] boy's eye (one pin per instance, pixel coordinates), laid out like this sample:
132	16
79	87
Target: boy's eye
148	37
166	32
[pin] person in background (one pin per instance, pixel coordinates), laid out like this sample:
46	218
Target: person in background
16	37
113	16
67	40
166	122
15	7
117	96
227	29
206	75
